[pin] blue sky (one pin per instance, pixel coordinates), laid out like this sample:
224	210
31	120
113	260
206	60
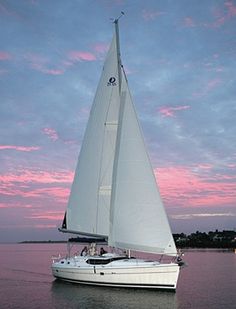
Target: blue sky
180	58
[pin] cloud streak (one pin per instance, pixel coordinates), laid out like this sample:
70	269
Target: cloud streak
202	215
189	187
19	148
37	176
4	56
51	133
149	15
48	215
81	56
166	111
42	64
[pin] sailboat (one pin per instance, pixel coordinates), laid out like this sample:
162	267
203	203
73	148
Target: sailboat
115	198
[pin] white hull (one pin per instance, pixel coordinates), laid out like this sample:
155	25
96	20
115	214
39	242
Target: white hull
124	272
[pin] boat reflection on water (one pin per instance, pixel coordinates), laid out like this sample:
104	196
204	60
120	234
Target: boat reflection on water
82	296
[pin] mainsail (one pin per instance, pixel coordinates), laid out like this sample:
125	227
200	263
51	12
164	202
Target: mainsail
114	192
88	209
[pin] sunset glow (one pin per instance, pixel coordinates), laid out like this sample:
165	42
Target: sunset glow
180	61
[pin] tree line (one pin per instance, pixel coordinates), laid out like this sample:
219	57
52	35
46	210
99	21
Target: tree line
216	239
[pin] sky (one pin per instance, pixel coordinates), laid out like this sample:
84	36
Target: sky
180	59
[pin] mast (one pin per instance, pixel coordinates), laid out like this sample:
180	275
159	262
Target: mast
118	49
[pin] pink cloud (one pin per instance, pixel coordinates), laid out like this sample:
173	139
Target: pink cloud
58	194
81	56
29	225
4	10
53	71
51	133
11	204
36	184
231	8
221	16
3	205
48	215
101	48
151	15
212	84
37	176
44	70
19	148
231	165
44	64
4	56
188	22
205	166
44	226
170	111
209	87
36	61
41	64
187	187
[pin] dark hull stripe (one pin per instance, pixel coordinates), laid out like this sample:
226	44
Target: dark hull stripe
133	285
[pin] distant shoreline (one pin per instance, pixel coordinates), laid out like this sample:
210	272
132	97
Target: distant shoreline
43	242
200	240
189	249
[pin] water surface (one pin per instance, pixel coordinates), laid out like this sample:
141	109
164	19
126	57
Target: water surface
209	282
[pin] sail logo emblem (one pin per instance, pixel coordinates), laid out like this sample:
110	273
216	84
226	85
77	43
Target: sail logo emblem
112	81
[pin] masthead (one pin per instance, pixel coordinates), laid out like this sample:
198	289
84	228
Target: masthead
115	20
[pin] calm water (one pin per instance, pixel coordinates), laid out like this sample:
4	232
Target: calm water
208	282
